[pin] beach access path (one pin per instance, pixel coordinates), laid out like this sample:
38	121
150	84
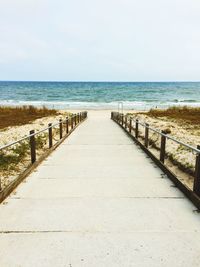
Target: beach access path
98	200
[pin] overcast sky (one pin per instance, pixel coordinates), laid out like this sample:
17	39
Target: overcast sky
100	40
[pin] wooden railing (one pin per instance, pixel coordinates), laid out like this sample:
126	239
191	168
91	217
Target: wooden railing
63	128
131	126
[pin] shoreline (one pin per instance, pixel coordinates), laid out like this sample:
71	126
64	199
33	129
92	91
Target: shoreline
138	106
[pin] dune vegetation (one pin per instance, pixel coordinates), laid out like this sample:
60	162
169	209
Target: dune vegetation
12	116
185	113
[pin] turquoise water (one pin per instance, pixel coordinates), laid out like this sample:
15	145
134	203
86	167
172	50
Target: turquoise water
99	95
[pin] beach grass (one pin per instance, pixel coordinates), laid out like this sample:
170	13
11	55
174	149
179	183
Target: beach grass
9	159
13	116
185	113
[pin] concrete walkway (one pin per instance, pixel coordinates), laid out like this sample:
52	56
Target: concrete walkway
98	200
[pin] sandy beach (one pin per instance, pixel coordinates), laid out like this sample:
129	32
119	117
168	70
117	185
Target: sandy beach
10	134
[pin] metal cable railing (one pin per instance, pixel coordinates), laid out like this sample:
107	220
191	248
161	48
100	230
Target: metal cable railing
68	124
146	125
127	123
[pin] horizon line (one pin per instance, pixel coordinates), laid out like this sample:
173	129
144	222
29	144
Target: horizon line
96	81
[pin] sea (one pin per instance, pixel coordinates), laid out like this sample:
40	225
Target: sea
100	95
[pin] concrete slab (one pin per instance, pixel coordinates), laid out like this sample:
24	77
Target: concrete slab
100	249
99	215
88	171
98	187
97	151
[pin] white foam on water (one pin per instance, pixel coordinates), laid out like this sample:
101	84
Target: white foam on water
138	105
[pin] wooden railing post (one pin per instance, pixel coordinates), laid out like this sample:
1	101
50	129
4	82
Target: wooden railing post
122	120
125	122
32	146
67	125
50	135
136	128
162	148
72	122
60	127
146	143
130	125
196	186
75	119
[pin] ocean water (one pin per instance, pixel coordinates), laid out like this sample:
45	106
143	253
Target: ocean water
100	95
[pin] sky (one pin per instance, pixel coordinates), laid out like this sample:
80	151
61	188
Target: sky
100	40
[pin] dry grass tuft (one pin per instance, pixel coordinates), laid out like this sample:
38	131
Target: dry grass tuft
188	114
12	116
